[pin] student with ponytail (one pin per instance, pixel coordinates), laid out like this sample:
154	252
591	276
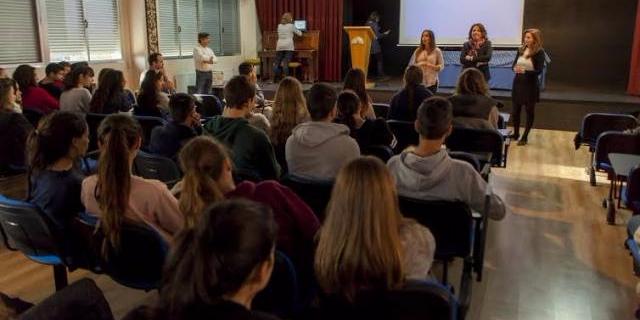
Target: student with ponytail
115	195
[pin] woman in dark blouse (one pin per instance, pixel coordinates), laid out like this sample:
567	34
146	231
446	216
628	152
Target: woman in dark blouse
405	103
149	96
366	132
110	97
14	130
477	51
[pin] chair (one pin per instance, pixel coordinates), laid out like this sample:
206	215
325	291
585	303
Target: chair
381	109
93	122
405	134
479	141
631	192
280	296
483	170
151	166
208	105
33	116
147	124
611	142
315	193
25	229
381	152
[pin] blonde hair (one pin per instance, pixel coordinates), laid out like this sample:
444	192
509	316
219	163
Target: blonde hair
287	18
536	34
202	160
359	245
289	109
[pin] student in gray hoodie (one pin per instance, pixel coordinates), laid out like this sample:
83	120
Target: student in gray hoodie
428	173
319	148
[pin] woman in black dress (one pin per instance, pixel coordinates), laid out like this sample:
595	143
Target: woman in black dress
526	89
477	51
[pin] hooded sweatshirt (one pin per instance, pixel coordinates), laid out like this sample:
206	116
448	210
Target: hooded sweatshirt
250	147
317	150
438	177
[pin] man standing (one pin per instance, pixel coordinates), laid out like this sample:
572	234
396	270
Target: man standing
203	58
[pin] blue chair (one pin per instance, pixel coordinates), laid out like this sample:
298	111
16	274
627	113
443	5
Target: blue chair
208	105
631	192
315	193
147	124
611	142
381	152
25	229
93	122
280	296
151	166
479	141
381	109
405	134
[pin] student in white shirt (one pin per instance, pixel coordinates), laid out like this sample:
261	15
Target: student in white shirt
203	58
284	46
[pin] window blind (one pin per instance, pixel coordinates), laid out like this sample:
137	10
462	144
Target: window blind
19	36
188	22
103	33
168	28
230	30
210	22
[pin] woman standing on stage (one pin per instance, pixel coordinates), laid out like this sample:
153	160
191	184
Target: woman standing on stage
477	51
429	58
526	89
284	46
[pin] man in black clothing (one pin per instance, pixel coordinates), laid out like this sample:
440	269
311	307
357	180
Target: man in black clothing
169	139
53	81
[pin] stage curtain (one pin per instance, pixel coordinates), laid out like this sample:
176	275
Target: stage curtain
634	73
325	16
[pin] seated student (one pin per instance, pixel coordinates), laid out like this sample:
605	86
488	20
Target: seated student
110	96
428	173
33	97
53	80
246	69
216	268
366	132
55	149
76	97
472	105
365	243
66	69
355	81
14	130
319	148
250	147
114	194
156	63
208	179
151	100
167	140
405	103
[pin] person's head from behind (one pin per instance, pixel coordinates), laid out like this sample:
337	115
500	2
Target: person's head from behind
111	83
427	40
287	18
321	102
183	108
207	176
59	135
102	74
246	69
229	255
434	118
156	61
358	245
472	82
119	139
289	109
9	94
80	76
355	80
413	76
348	106
240	94
203	39
25	76
66	67
54	72
477	32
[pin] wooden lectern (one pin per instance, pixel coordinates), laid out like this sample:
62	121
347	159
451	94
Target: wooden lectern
360	43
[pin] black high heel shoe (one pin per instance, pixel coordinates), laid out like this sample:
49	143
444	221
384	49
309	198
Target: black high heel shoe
522	141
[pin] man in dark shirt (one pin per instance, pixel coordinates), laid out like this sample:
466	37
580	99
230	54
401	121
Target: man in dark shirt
169	139
53	81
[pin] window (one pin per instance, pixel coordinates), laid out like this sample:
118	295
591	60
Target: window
179	22
83	30
19	36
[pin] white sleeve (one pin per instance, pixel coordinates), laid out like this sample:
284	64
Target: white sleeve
197	56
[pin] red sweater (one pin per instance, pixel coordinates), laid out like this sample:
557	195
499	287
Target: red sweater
297	224
39	99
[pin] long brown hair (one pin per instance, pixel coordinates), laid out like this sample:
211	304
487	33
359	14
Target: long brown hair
355	80
54	139
429	47
536	34
118	135
289	109
413	77
471	81
202	161
359	245
483	30
6	84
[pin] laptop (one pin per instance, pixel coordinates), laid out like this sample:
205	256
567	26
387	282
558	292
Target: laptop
300	25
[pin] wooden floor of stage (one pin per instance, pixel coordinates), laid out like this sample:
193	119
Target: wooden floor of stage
552	257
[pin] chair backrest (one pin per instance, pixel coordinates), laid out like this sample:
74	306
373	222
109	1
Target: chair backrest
93	122
381	109
381	152
151	166
593	124
614	142
450	222
633	186
33	116
315	193
208	105
148	123
279	297
477	140
405	134
466	157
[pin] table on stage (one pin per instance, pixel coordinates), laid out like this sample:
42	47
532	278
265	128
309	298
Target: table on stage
621	164
306	49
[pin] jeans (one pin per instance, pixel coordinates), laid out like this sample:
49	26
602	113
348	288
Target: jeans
282	57
433	88
203	81
379	64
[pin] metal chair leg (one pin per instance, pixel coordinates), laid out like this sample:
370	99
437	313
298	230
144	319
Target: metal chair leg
60	276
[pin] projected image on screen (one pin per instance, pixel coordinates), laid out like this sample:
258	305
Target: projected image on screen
450	20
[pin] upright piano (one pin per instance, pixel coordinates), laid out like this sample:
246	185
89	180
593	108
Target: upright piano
306	50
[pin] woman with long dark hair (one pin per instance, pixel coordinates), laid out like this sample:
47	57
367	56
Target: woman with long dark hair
33	97
110	97
14	130
355	80
526	88
473	107
477	51
429	58
151	100
405	103
366	132
76	97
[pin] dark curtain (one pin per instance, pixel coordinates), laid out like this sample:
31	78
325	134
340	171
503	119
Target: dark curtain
325	16
634	72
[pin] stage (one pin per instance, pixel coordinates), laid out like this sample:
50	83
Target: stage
562	107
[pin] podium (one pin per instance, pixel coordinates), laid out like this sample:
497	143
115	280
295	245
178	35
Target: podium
360	43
